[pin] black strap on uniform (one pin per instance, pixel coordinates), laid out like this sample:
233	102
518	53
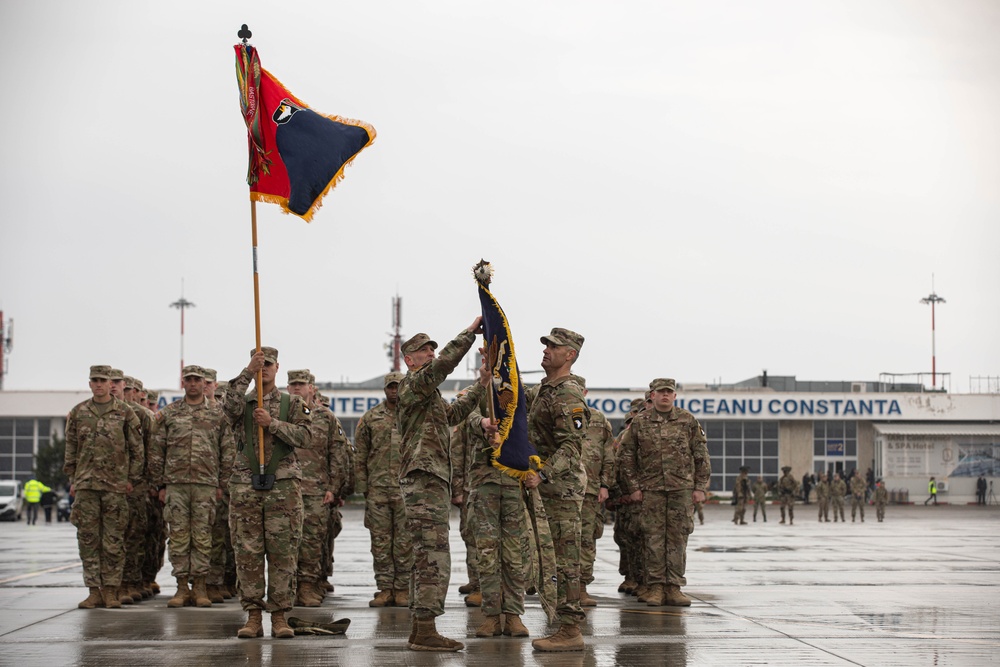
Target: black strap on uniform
279	449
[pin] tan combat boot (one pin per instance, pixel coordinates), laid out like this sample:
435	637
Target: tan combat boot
382	599
93	600
215	594
675	598
490	627
306	596
200	593
568	638
513	627
401	598
627	586
155	587
180	598
279	628
474	599
110	596
426	637
465	589
642	592
253	627
585	599
123	595
656	596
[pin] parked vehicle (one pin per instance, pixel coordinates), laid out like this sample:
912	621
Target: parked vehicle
11	500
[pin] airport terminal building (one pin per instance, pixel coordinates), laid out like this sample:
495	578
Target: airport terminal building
905	433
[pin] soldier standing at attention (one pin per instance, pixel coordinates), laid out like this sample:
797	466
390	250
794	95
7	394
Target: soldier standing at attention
461	499
211	384
788	488
599	464
858	487
881	500
823	497
154	532
376	443
760	498
190	461
838	489
266	523
424	418
104	459
557	423
628	529
741	494
665	457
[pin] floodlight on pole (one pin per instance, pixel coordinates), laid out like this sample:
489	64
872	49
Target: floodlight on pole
182	304
933	299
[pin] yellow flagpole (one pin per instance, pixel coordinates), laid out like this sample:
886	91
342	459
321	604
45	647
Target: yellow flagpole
256	322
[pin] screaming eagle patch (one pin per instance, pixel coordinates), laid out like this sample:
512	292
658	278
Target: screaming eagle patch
578	418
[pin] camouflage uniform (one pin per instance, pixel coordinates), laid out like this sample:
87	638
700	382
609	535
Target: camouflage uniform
760	499
423	418
137	532
344	454
823	498
222	571
192	458
664	455
460	473
858	488
266	523
838	489
881	500
628	527
376	442
788	488
557	422
599	465
741	493
103	454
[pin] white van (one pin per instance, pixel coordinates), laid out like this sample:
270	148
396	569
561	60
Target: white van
11	500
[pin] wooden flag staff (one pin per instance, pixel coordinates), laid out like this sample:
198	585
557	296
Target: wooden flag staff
256	323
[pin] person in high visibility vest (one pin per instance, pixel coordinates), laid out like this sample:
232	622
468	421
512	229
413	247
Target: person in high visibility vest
932	490
33	491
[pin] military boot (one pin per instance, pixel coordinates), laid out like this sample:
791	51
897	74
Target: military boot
215	594
585	599
465	589
306	596
490	627
642	592
123	595
401	598
110	596
135	591
656	596
93	600
675	598
253	627
279	628
568	638
155	587
513	627
474	599
627	586
200	593
426	637
180	598
382	599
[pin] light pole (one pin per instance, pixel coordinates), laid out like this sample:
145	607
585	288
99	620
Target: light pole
933	299
182	304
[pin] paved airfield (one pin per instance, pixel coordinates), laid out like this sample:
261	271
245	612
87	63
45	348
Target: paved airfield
923	588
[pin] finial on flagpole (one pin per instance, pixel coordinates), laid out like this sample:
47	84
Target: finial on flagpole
483	271
244	34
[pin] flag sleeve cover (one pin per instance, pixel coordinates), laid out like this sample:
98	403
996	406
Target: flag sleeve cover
296	154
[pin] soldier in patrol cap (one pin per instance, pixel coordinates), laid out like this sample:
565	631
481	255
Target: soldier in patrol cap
138	573
788	488
557	425
266	519
211	382
664	458
741	496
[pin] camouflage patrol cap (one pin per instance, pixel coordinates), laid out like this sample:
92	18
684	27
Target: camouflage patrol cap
559	336
581	381
129	382
648	395
270	354
100	372
323	400
152	395
636	404
312	379
138	385
196	371
301	375
786	468
116	374
663	384
417	342
392	378
210	374
220	389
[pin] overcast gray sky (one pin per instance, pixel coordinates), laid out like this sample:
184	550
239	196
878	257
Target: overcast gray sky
702	189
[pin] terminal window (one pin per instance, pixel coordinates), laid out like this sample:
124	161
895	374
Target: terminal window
732	444
19	440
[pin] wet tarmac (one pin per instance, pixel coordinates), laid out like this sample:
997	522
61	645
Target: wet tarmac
923	588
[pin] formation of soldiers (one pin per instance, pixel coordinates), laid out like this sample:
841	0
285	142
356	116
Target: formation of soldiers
237	479
828	492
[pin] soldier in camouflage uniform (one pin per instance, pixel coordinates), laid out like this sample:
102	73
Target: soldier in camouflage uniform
104	461
154	535
858	488
788	488
823	497
190	461
152	400
265	523
557	423
222	571
324	464
460	473
211	384
496	525
838	489
376	443
881	500
425	473
667	468
741	494
599	464
628	528
760	498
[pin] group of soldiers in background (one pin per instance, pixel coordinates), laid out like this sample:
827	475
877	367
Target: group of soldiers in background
194	471
788	489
